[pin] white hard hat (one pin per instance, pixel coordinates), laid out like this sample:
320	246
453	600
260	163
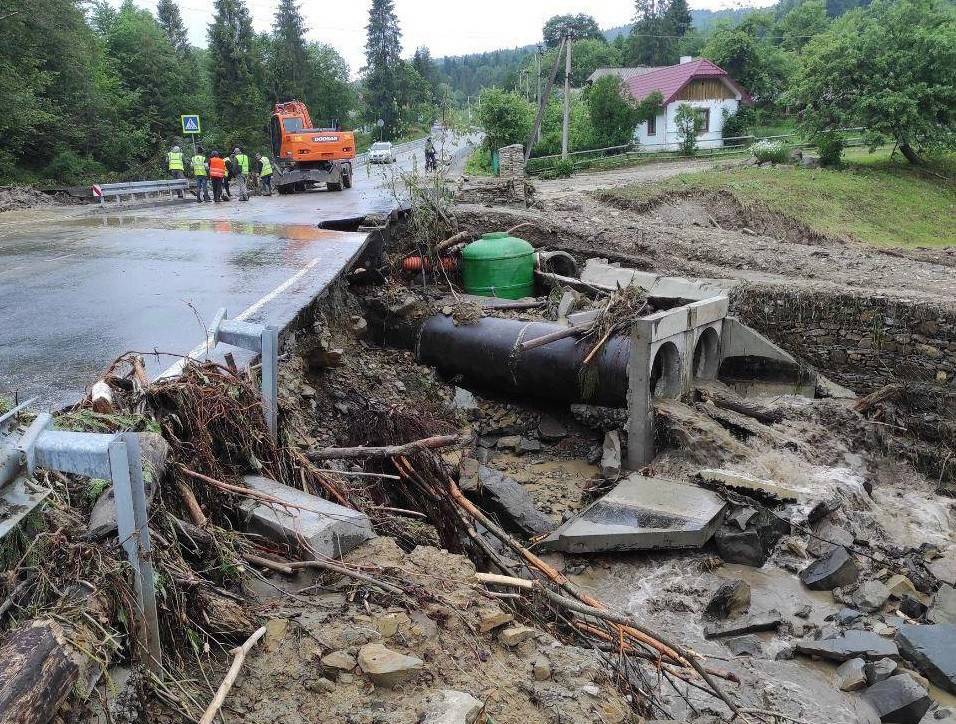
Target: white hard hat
175	149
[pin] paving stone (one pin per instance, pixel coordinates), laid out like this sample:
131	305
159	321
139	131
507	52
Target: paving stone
849	645
943	609
879	670
731	598
387	668
851	675
932	649
641	514
331	530
451	707
753	623
835	569
871	596
898	699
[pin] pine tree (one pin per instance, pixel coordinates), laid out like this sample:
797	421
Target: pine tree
289	56
382	78
167	12
235	68
425	66
677	18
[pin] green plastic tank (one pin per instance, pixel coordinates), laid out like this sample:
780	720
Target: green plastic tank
498	265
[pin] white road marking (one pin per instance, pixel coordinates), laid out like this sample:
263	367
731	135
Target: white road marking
177	367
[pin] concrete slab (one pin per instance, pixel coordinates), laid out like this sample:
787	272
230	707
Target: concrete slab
746	483
332	530
642	514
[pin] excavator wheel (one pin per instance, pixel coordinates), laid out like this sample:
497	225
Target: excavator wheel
347	180
334	186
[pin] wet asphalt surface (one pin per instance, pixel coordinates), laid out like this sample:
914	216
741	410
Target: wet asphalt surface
77	293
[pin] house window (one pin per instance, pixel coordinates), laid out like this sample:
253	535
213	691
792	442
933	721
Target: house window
652	126
704	115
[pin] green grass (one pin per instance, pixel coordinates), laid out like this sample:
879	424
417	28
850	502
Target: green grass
479	163
872	198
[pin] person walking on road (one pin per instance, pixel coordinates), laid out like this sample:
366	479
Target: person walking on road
240	163
265	173
227	179
201	174
430	164
174	162
217	172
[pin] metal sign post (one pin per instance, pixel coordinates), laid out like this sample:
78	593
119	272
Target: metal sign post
191	127
112	457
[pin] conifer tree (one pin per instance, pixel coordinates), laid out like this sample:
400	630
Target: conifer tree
383	47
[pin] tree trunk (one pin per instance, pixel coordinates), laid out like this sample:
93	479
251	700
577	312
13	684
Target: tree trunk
910	154
37	673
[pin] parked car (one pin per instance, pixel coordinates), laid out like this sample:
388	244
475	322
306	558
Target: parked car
381	152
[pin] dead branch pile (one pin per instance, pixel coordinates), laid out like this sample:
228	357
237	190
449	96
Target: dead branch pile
624	306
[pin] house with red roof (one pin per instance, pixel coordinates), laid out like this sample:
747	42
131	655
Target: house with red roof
699	83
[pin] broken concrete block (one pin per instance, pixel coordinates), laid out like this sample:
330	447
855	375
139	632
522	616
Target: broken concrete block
849	645
331	530
509	499
879	670
731	598
768	621
851	675
611	456
514	635
491	617
943	609
387	668
641	514
451	707
836	569
746	483
871	596
898	699
753	545
932	649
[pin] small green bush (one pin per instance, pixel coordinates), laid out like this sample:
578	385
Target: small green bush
830	147
770	152
69	168
559	169
738	124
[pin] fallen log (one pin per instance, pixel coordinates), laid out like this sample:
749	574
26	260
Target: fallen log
37	673
552	337
428	443
102	397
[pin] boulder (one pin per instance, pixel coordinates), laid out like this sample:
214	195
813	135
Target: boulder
851	675
944	567
753	545
387	668
871	596
338	661
835	569
731	598
541	670
451	707
900	586
898	699
847	616
466	402
849	645
932	649
943	609
827	534
879	670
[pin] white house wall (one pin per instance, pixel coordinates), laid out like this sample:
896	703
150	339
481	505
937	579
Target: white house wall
667	137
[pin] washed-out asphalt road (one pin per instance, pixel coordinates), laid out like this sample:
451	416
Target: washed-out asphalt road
79	289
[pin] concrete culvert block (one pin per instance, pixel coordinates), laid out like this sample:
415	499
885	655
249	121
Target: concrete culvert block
331	530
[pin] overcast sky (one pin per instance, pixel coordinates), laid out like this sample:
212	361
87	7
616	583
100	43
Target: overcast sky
446	27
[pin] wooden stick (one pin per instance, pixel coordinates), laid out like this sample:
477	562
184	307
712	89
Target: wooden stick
239	653
356	474
499	580
452	240
597	347
552	337
428	443
267	563
139	371
329	566
192	505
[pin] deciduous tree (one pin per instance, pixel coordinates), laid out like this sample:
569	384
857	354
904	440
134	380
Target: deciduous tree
580	27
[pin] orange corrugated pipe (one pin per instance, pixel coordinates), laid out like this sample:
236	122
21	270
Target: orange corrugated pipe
417	263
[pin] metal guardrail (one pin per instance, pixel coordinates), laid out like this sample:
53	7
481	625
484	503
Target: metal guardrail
132	188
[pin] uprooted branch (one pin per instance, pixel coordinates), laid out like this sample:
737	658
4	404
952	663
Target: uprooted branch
428	443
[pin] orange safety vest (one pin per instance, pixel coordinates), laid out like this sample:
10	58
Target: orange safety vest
217	167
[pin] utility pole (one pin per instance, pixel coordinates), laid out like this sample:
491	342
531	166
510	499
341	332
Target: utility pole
544	100
567	98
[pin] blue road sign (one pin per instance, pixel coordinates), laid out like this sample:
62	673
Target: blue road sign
190	124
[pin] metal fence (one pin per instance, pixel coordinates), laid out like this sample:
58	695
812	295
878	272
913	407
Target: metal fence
614	156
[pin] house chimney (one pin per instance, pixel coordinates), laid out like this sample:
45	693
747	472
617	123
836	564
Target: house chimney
686	59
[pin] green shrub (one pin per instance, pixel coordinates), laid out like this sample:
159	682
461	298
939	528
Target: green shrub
689	124
479	163
770	151
830	146
739	123
559	169
69	168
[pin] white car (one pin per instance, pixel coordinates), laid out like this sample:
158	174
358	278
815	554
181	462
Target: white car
381	152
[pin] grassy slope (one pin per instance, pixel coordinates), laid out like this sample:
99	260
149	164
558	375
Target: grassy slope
872	198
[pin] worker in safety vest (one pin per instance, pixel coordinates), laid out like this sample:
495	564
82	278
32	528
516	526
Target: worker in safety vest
174	162
201	174
240	162
265	173
217	172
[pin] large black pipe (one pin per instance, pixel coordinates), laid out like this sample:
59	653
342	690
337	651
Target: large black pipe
488	354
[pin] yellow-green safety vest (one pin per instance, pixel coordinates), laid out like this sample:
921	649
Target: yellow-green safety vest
175	161
243	161
266	167
199	165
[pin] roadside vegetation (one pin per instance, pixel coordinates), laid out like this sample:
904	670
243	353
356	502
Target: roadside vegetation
873	198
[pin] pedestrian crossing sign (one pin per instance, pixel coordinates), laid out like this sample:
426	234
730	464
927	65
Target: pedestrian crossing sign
190	124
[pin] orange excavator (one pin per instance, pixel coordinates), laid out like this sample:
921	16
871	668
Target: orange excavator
306	155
